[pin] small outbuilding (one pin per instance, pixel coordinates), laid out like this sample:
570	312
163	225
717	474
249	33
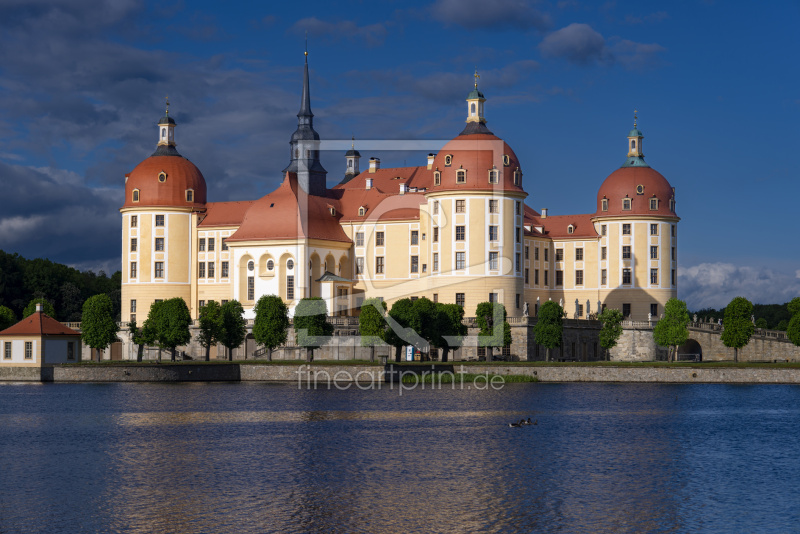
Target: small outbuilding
39	340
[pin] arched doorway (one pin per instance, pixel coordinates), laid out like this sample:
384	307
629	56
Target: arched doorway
691	351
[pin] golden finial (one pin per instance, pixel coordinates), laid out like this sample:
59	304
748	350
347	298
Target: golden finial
167	99
634	117
353	142
476	77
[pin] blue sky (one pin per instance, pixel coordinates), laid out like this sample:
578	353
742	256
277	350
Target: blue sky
82	84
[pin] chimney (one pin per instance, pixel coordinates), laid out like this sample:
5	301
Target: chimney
402	189
374	164
39	307
369	183
430	160
544	213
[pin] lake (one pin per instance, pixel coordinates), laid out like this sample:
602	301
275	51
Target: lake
266	457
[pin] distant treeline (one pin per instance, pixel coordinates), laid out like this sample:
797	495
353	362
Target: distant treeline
22	280
777	316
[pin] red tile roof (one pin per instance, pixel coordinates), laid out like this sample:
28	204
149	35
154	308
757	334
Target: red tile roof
626	182
383	201
36	324
556	226
182	174
225	213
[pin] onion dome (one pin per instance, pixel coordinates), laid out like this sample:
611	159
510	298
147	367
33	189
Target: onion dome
166	178
476	162
636	188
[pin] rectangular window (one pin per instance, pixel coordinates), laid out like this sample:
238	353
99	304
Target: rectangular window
579	277
223	302
460	233
494	206
653	203
527	250
653	229
201	246
603	229
519	262
517	232
626	203
159	220
133	305
603	277
251	287
546	283
492	297
536	277
134	221
460	299
133	269
159	244
526	275
518	207
559	254
626	252
414	264
379	264
202	303
436	262
359	239
201	269
289	287
653	276
580	310
29	350
211	244
578	254
673	277
436	207
435	234
493	176
654	310
673	254
159	269
162	300
414	237
211	266
493	233
626	276
559	278
224	245
546	254
603	253
70	350
378	239
673	230
460	206
653	252
626	229
461	261
493	263
224	267
7	350
424	267
461	176
134	243
626	310
517	301
359	265
535	254
604	204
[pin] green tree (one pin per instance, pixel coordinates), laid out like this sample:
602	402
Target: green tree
170	325
761	323
782	326
149	332
98	327
7	317
672	331
210	322
311	325
372	324
450	327
611	330
737	325
423	322
793	328
234	326
399	332
271	323
137	339
47	307
549	327
489	315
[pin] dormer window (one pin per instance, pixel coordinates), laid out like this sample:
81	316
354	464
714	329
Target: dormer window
517	176
362	211
570	229
493	176
626	204
437	178
332	211
604	204
461	176
448	160
672	205
506	160
162	177
653	203
190	195
135	195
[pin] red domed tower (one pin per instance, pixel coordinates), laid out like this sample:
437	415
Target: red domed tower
638	230
163	196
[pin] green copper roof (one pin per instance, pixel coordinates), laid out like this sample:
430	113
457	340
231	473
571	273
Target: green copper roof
635	161
475	94
636	132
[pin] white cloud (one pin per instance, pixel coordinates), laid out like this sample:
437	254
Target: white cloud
714	285
582	45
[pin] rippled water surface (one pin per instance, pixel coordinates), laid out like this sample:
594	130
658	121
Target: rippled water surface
257	457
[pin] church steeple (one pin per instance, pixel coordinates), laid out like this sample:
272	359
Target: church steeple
166	135
635	154
476	122
304	145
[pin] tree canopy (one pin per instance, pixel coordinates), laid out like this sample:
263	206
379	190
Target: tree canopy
7	317
372	324
271	323
234	326
672	331
47	307
490	335
449	327
612	328
98	327
793	328
737	325
549	327
210	323
311	325
399	331
167	324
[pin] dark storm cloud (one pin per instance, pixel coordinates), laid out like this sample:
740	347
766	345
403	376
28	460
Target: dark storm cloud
582	45
498	14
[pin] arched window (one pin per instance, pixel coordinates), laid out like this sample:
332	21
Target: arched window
633	143
570	229
290	264
251	265
361	211
350	163
189	195
437	178
163	133
461	176
472	109
136	195
270	265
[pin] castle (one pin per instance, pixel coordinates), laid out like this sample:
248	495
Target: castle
454	230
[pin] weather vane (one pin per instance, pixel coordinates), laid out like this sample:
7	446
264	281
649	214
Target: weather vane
476	77
167	99
634	117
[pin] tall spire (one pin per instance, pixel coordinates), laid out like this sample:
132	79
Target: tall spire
305	99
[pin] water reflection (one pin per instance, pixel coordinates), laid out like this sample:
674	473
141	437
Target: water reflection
273	458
